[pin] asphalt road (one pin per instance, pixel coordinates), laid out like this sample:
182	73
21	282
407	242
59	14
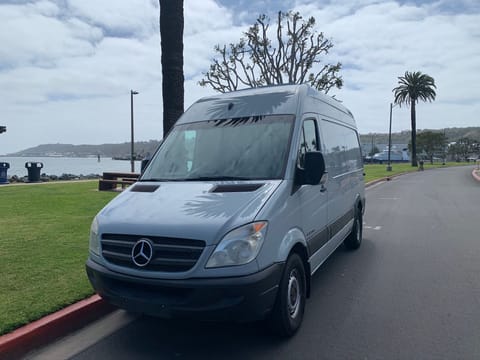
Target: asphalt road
412	291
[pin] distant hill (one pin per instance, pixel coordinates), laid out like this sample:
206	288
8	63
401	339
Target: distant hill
144	147
141	148
452	134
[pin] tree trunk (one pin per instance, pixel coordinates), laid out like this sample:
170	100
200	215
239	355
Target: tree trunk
171	39
414	133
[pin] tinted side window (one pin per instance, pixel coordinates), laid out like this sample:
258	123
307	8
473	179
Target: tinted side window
309	141
342	151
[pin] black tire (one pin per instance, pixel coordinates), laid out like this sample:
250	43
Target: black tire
287	313
354	239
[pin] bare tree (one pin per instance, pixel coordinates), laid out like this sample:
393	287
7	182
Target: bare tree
256	60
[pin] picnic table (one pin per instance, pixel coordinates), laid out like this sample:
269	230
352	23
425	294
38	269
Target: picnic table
111	181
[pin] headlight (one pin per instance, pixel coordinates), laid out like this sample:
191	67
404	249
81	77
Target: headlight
94	244
239	246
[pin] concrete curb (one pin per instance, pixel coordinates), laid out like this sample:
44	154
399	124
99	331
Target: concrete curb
39	333
386	178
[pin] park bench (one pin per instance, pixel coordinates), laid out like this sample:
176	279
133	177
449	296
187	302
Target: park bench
111	181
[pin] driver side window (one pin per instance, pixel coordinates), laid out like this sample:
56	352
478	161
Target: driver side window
309	141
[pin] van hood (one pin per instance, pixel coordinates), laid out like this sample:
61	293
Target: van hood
189	210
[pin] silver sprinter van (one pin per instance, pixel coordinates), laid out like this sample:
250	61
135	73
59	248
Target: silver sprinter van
246	197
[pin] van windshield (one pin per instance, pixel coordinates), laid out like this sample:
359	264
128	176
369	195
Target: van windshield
228	149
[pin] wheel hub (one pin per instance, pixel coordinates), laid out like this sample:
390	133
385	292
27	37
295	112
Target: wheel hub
293	294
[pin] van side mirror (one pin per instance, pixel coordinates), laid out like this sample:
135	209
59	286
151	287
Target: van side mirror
314	167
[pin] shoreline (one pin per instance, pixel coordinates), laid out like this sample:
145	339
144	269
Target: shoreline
44	178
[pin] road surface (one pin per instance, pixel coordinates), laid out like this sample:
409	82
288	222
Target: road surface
412	291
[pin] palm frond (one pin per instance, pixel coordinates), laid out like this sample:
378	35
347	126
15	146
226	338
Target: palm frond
414	86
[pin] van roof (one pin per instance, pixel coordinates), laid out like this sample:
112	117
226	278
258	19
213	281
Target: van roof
267	100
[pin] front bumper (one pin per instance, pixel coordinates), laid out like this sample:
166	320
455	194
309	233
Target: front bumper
243	298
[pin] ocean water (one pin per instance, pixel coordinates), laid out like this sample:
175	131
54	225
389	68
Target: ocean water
66	165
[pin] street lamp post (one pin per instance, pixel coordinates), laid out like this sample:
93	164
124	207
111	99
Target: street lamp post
389	166
132	160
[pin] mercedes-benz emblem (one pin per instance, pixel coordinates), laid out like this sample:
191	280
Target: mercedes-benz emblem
142	252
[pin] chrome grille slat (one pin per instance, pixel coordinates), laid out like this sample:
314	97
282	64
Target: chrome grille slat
165	261
181	247
169	254
118	243
119	256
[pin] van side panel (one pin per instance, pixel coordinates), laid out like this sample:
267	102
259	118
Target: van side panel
344	166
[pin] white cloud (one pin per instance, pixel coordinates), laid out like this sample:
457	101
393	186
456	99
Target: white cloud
138	18
205	15
28	36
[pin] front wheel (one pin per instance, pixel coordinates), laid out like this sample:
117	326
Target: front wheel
287	314
354	239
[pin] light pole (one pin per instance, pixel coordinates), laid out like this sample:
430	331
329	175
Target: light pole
389	166
132	160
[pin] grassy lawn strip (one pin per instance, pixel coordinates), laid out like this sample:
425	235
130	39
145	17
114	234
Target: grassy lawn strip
378	171
44	233
43	247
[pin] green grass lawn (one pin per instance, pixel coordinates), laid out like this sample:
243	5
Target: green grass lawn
44	233
378	171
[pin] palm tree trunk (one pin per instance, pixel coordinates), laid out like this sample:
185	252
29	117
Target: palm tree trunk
171	38
414	133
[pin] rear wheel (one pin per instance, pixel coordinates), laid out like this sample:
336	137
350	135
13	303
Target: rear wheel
354	239
287	314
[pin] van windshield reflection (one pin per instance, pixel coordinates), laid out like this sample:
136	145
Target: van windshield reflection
248	148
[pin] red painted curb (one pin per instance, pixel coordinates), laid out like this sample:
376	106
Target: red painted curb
41	332
475	175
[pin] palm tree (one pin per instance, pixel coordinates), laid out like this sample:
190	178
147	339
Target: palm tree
414	86
171	39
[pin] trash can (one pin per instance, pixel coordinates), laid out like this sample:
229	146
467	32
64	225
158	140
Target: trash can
33	171
4	166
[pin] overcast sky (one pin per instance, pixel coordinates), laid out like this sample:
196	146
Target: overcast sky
67	66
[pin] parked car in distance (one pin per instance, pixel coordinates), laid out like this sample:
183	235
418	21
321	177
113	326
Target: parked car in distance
395	156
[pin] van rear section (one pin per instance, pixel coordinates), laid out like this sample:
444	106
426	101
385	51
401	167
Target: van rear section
243	201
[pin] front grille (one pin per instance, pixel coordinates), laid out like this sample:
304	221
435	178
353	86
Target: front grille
169	254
